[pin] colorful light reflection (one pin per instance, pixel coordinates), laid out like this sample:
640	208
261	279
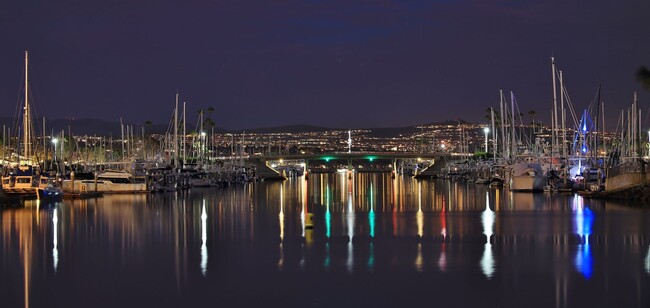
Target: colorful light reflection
583	221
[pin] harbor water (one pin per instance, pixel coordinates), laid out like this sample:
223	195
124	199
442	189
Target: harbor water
345	240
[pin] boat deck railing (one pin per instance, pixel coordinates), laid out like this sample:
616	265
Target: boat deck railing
629	167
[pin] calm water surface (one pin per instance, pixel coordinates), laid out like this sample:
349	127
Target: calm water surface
375	241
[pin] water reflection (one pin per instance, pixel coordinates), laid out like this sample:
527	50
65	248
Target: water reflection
281	215
647	261
442	259
544	244
350	224
55	243
204	240
583	221
371	213
487	220
419	216
303	199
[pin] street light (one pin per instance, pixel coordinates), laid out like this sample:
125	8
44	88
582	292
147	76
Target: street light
202	145
55	141
486	130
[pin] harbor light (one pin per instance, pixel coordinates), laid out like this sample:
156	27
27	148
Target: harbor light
55	141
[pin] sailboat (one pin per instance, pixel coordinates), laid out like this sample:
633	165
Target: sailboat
628	174
23	179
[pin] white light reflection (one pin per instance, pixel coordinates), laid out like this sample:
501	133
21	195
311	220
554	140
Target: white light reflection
303	211
55	250
487	219
647	261
583	221
281	216
204	241
350	226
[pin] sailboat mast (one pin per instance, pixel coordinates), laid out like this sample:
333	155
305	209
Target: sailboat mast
494	137
503	136
563	114
554	126
512	124
44	146
602	127
184	134
176	132
201	136
26	120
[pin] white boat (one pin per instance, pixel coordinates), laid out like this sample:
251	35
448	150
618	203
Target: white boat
108	182
527	176
22	180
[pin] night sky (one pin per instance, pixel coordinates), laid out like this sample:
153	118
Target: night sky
346	64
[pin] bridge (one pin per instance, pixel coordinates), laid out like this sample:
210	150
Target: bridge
434	161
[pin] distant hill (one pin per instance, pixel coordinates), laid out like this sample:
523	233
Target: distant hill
448	122
300	128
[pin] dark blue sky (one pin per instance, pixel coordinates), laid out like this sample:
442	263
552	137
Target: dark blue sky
328	63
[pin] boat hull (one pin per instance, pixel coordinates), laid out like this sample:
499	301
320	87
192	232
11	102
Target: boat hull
49	194
104	186
527	183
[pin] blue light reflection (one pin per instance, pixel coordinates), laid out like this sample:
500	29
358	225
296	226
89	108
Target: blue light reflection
583	221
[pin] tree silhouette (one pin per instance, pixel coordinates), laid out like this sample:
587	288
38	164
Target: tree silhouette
488	116
208	122
643	76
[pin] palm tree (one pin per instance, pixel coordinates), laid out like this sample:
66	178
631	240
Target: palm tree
147	123
532	114
643	76
208	122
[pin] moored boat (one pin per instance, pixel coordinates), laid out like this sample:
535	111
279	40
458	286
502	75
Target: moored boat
108	182
21	180
527	177
49	193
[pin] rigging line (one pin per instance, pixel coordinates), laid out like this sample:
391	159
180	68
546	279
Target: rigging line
170	126
647	114
569	102
16	121
522	133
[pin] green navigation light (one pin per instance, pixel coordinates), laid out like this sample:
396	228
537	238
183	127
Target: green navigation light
371	158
